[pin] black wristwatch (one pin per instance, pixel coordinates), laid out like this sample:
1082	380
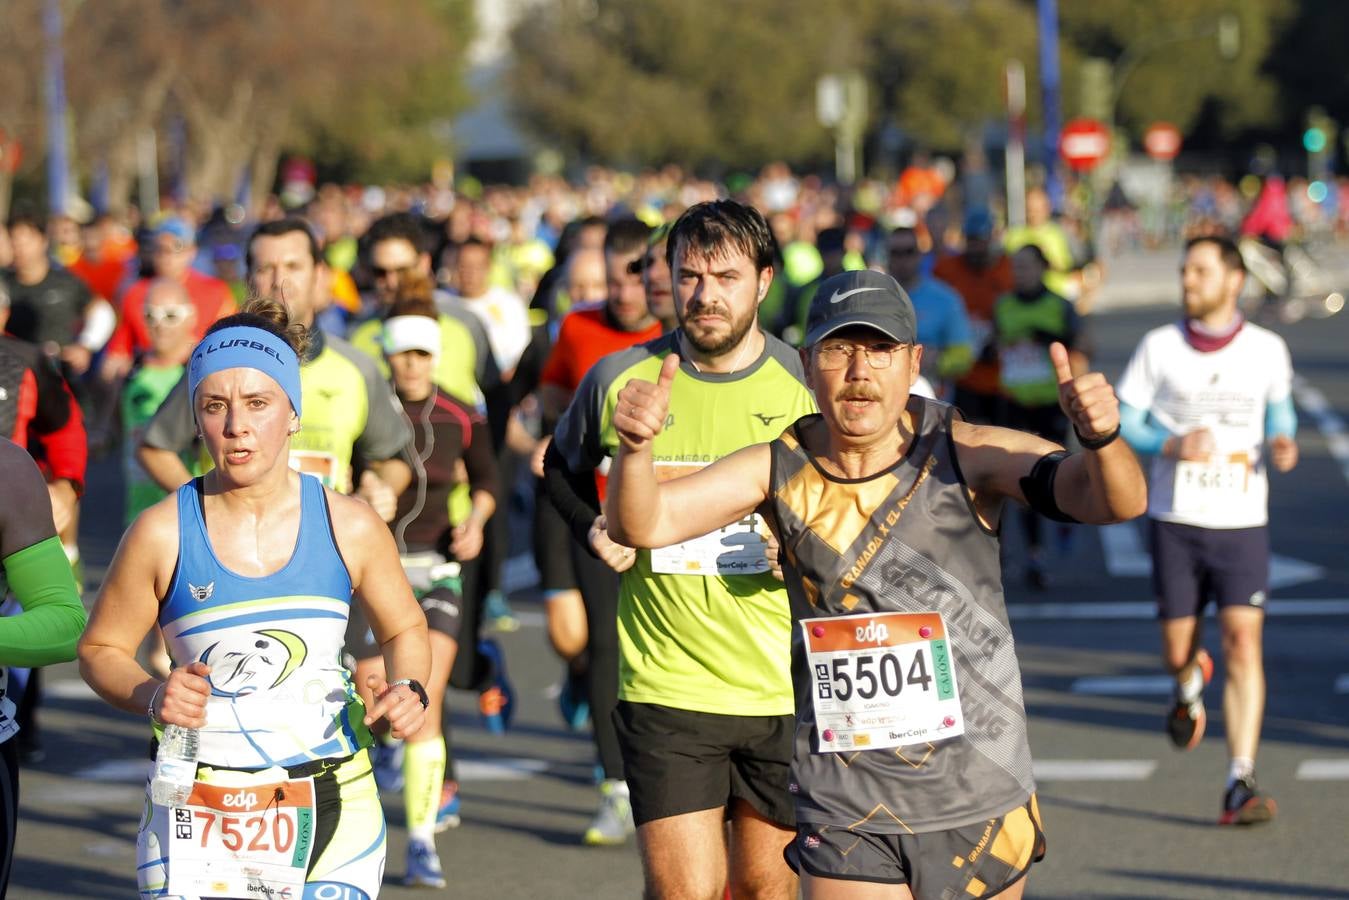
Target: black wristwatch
1096	443
416	687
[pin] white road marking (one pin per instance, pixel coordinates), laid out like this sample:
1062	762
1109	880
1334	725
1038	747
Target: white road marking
1342	684
1323	770
1127	610
497	768
1331	606
530	618
1285	571
500	768
70	689
134	770
83	795
1094	769
1327	421
1125	685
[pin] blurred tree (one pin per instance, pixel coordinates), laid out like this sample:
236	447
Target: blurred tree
116	97
1307	62
364	82
939	65
21	98
694	82
1165	69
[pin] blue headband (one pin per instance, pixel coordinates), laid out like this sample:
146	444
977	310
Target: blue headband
246	347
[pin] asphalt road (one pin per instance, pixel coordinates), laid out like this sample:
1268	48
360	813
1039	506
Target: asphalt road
1126	816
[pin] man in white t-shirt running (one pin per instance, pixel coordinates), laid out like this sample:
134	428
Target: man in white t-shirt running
1209	398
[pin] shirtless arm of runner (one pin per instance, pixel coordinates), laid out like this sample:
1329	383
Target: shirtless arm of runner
1095	486
397	620
642	512
125	612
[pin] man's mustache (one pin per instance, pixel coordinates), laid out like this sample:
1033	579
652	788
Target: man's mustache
704	309
857	392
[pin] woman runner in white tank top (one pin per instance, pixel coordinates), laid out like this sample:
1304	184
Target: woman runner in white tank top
251	570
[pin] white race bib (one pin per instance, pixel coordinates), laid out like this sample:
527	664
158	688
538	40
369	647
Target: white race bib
250	841
1216	487
981	335
1025	363
881	680
737	549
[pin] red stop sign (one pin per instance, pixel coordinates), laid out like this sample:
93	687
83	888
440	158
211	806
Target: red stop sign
11	154
1162	140
1083	143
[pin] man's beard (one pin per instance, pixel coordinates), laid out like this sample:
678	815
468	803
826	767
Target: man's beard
1202	306
710	345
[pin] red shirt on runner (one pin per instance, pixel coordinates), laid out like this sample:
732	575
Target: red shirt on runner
585	336
211	297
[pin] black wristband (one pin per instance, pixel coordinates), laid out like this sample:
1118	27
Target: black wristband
1096	443
415	686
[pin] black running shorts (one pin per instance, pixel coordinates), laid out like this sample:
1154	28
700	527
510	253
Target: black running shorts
552	547
680	761
444	613
1192	566
978	860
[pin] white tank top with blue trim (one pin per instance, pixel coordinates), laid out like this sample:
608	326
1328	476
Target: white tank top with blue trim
280	695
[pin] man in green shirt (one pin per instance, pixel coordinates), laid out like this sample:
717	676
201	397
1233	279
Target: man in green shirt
1025	323
466	368
705	698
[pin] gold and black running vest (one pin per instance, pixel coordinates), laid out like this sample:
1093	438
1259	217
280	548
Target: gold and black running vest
904	540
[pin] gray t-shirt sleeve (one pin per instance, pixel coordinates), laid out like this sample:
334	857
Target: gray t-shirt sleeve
386	433
577	436
172	427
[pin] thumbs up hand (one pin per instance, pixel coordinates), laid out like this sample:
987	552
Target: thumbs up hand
1087	400
642	406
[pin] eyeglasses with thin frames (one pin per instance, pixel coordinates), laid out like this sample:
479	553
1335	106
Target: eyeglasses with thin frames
832	357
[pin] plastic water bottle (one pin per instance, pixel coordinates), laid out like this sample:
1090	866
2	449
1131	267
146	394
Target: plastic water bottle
175	766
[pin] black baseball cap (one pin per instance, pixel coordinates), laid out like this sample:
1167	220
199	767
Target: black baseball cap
868	298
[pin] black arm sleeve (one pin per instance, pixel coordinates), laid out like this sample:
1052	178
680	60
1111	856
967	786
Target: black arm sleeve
53	397
574	494
479	459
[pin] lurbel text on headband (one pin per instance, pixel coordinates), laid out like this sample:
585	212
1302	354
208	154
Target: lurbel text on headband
246	347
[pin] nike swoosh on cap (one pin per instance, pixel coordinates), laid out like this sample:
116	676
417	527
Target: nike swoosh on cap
840	296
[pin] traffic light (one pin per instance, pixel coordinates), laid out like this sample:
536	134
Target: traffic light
1318	139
